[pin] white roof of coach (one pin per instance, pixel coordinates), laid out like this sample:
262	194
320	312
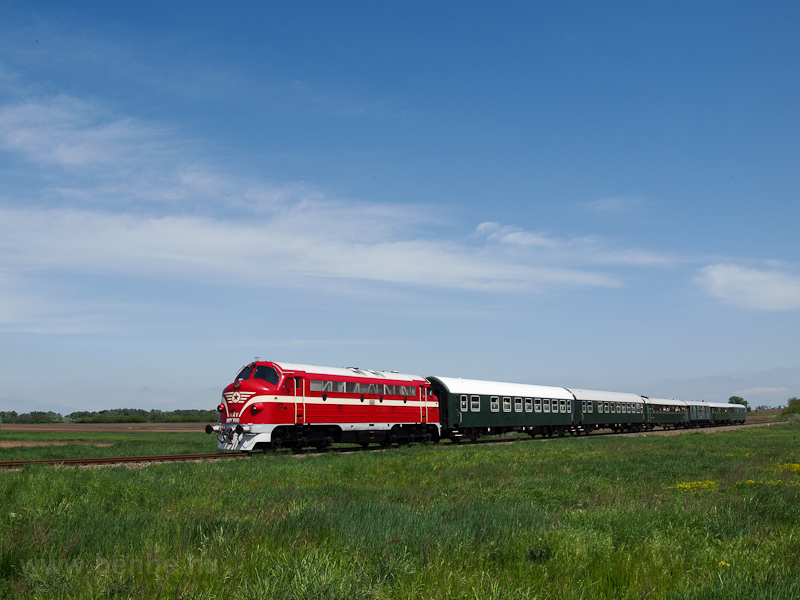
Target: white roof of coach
721	404
605	396
498	388
348	372
667	401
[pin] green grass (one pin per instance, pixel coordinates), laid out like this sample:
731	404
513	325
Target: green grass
688	516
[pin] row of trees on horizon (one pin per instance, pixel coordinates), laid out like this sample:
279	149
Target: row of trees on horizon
139	415
114	415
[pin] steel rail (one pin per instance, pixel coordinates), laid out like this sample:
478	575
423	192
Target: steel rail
111	460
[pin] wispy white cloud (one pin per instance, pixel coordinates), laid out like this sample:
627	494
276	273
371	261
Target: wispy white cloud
586	250
298	243
750	288
762	391
71	133
124	196
614	205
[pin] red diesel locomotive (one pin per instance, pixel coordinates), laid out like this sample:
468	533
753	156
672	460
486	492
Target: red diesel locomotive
273	404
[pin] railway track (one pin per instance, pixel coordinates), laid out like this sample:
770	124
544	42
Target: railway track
112	460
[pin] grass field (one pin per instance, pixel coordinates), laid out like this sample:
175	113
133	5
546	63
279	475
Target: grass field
687	516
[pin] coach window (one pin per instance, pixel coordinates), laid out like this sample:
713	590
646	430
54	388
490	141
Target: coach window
518	404
537	404
563	405
476	404
464	406
590	403
569	406
506	404
495	404
546	405
528	405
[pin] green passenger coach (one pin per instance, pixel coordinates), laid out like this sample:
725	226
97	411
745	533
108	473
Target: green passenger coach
471	408
609	410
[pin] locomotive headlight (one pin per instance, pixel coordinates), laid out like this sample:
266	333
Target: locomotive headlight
220	408
255	408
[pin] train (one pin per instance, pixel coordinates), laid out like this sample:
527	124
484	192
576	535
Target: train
271	405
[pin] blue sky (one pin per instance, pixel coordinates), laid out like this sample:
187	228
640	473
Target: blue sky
597	194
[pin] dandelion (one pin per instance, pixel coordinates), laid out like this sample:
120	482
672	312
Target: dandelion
722	563
697	485
789	467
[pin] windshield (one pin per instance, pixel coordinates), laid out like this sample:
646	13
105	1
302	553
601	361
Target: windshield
267	374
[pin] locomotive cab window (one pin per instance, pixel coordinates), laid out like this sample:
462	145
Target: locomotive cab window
266	373
464	406
495	404
244	373
476	404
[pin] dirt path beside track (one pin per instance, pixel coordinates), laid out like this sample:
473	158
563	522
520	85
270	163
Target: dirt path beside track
17	444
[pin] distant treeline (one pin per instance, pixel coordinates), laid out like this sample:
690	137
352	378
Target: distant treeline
114	415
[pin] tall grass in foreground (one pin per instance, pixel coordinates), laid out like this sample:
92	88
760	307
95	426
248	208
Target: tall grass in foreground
689	516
